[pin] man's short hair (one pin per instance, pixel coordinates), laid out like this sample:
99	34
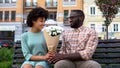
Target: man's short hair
80	13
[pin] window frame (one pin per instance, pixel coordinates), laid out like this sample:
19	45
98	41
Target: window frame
103	28
1	18
92	10
28	3
34	3
1	1
7	2
69	3
6	17
92	27
13	1
115	27
13	18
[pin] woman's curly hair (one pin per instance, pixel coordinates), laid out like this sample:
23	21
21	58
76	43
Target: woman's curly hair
35	14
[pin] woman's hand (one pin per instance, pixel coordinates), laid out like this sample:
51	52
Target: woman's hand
49	55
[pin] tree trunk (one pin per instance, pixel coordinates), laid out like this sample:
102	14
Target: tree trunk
107	32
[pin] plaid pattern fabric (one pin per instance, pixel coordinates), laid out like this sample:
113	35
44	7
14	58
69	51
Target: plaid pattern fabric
82	40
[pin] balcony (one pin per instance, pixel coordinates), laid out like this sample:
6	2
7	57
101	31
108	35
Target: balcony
51	5
30	4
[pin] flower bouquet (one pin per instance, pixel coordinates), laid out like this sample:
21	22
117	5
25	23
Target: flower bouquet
52	35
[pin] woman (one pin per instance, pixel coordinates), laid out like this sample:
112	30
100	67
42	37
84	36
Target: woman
33	42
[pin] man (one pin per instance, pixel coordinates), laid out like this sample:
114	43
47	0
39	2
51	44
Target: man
78	45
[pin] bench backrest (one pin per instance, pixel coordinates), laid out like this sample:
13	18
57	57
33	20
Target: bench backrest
107	54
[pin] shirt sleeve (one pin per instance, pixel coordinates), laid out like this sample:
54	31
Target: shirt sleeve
63	47
25	48
91	45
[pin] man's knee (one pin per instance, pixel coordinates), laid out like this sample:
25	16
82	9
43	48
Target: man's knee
64	64
93	64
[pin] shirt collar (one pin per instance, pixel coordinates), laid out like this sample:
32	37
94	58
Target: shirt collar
79	29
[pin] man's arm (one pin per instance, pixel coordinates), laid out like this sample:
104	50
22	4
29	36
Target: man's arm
90	48
85	54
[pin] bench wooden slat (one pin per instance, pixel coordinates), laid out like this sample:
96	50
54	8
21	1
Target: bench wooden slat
115	50
111	66
108	46
16	66
108	61
18	51
18	56
101	56
16	61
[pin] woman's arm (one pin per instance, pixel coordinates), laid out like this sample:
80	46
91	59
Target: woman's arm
26	51
36	58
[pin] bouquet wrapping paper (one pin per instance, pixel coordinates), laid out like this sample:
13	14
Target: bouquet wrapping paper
52	41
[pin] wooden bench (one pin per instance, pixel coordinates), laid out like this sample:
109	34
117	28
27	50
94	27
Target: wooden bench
107	54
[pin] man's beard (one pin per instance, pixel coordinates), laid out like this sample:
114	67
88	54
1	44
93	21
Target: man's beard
76	24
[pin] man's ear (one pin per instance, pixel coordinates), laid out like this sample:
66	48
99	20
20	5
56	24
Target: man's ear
81	19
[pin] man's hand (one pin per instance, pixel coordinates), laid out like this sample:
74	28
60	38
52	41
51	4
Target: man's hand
72	57
55	58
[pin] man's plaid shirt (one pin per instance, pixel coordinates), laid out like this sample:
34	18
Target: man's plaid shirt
82	40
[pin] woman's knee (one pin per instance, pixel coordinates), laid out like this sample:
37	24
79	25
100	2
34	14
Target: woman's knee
38	66
27	66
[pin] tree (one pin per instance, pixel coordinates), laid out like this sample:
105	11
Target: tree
109	9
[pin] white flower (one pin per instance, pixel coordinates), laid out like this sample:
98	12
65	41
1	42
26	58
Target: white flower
54	30
54	33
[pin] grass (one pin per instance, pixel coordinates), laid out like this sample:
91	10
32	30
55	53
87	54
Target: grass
6	57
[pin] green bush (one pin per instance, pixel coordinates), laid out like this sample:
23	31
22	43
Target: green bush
6	54
6	57
5	64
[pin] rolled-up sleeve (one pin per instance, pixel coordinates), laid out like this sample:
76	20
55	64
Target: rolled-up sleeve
63	46
91	45
25	48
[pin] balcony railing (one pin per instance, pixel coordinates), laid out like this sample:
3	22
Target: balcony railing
30	4
51	5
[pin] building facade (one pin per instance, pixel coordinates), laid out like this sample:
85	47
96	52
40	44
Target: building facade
64	8
50	5
58	9
13	15
11	18
95	20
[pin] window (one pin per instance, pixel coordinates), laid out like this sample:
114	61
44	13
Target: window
55	3
115	27
119	11
93	26
13	15
92	10
52	15
65	0
48	4
66	13
6	1
6	15
28	3
1	15
13	1
34	2
73	0
1	1
69	2
103	28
